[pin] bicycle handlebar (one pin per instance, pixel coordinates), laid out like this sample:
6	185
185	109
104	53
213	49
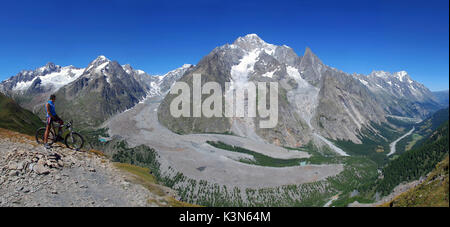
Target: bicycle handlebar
67	125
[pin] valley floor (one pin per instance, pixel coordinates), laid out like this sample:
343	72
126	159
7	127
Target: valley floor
194	158
393	144
215	176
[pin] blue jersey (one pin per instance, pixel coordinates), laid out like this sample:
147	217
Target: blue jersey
52	108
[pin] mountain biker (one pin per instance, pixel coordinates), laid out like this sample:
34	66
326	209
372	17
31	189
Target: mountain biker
51	117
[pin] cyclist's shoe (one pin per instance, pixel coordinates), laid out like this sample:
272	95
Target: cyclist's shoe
47	146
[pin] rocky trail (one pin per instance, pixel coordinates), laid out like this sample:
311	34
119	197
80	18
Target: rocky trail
31	175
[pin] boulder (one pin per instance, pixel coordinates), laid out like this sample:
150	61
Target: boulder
41	169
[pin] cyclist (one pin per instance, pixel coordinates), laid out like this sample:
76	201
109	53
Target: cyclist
51	117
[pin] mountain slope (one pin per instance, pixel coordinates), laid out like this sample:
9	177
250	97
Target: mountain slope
433	192
416	163
433	122
442	97
102	90
88	95
315	101
30	88
423	129
14	117
399	94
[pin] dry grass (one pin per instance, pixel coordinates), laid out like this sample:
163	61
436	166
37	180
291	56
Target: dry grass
143	177
97	152
175	203
416	137
17	137
380	149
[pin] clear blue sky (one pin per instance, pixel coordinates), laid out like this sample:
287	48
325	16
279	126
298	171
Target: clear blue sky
355	36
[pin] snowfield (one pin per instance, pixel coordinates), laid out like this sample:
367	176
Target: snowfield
55	80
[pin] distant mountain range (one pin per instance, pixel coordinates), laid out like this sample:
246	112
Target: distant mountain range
316	101
442	97
90	95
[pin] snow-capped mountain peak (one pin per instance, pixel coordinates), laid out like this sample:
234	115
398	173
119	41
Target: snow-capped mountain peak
185	66
98	64
101	59
163	83
250	38
398	84
48	68
252	42
176	73
128	69
51	78
58	79
381	74
401	75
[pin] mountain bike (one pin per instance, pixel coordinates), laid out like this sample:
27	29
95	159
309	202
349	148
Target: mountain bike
73	140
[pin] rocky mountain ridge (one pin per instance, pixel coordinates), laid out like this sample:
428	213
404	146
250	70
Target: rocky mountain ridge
316	101
89	95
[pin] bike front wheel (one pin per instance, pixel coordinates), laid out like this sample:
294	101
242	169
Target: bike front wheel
74	141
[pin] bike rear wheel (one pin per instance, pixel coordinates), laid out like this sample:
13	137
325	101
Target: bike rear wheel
40	136
74	141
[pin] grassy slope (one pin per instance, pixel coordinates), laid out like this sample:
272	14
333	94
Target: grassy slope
418	162
143	177
406	167
14	117
433	192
